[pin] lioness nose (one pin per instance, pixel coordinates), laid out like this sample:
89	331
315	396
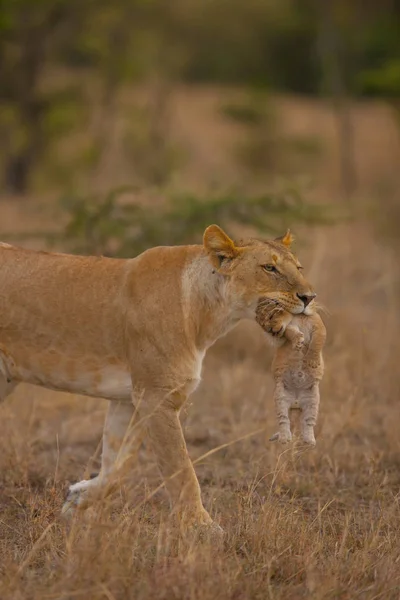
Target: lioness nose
306	298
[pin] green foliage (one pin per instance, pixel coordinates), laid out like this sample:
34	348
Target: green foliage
383	81
110	226
253	43
378	55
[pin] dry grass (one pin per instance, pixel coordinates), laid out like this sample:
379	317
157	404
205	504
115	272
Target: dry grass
318	524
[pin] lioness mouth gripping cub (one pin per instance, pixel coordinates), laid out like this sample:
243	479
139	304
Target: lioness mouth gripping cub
135	332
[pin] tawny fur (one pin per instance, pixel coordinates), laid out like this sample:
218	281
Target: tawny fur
297	368
135	332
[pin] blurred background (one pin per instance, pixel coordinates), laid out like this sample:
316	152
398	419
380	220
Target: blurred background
134	123
188	101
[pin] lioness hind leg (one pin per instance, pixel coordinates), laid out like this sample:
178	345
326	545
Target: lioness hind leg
6	387
7	366
116	448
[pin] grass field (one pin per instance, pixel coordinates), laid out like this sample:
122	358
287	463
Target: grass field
322	523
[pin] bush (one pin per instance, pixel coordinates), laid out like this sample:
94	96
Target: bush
109	226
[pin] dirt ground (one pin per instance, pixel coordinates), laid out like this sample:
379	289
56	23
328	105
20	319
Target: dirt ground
322	523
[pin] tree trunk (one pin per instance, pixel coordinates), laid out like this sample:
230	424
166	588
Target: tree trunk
16	173
332	58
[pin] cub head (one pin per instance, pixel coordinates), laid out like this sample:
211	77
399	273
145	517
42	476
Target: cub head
257	271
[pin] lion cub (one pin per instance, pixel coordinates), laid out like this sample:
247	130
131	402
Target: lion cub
297	368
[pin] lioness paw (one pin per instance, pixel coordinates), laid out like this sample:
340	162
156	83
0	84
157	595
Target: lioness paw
206	531
77	496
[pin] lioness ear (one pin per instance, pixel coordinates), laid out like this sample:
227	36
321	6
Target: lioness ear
286	239
218	245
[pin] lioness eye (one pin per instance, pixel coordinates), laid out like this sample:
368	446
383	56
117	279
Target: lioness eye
270	268
300	268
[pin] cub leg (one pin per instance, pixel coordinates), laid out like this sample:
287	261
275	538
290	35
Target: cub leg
309	402
283	401
318	338
295	336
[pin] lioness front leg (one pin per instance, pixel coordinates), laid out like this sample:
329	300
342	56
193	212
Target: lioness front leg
166	436
116	448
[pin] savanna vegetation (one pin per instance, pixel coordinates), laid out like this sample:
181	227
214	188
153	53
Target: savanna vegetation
130	124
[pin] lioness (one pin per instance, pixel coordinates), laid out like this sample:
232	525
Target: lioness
135	332
297	368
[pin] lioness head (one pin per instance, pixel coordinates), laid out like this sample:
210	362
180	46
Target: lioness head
258	270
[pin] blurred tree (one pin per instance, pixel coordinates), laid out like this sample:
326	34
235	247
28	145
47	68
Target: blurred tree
98	46
30	33
335	19
265	148
379	75
58	58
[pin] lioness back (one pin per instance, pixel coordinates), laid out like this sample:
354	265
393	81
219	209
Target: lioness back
63	317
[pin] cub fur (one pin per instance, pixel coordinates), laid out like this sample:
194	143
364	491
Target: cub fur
297	368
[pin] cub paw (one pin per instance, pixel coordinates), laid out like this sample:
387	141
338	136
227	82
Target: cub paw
298	343
276	325
314	365
272	320
313	361
283	438
309	439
